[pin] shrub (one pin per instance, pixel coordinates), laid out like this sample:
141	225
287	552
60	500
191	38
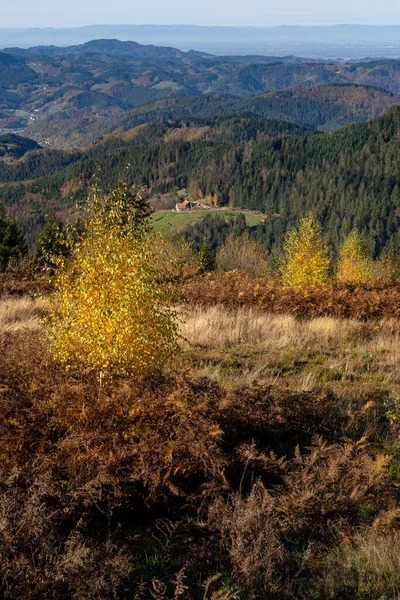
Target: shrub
110	312
307	262
355	267
239	289
175	258
386	270
244	255
271	533
84	477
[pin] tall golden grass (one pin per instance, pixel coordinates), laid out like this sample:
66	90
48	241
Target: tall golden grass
21	314
239	345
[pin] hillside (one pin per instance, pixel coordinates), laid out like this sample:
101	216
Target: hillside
14	146
260	460
58	179
348	178
325	107
67	97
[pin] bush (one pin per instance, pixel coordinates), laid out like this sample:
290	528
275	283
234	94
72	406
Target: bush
307	262
83	477
111	310
386	270
174	258
244	255
239	289
271	533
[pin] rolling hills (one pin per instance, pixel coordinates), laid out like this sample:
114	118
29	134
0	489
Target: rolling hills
69	97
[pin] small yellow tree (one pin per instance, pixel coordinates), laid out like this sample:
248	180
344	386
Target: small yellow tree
355	267
307	261
111	310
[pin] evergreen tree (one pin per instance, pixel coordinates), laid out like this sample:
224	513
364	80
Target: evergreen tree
12	242
207	257
51	243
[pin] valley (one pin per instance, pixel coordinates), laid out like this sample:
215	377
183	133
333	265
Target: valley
349	178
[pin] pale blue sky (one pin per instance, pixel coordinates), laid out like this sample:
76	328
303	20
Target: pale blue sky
56	13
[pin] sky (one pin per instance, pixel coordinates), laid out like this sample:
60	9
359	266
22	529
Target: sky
74	13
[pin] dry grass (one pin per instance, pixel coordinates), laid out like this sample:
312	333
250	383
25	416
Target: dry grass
368	565
240	346
236	346
21	314
220	327
279	478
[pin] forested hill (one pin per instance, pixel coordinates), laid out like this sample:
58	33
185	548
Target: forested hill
322	107
349	178
107	47
15	146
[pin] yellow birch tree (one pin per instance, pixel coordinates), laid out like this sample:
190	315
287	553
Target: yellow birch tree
111	310
307	262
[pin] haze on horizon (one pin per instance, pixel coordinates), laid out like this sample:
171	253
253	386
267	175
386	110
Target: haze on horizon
76	13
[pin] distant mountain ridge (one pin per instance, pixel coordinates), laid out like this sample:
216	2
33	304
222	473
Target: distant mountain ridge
108	47
134	50
339	41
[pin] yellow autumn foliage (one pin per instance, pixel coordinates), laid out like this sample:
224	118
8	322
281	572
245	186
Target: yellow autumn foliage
307	261
355	267
111	310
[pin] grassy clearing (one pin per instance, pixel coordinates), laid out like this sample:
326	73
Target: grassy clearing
166	85
236	347
56	108
21	113
38	68
168	222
